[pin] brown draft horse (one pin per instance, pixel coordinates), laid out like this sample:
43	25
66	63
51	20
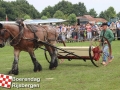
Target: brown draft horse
23	39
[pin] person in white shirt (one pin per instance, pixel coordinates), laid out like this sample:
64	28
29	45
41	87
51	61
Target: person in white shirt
63	33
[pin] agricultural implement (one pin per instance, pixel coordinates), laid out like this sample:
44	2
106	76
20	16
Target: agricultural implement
92	52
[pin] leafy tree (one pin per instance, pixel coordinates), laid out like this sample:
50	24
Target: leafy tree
111	11
118	15
79	9
59	14
48	11
102	14
48	15
72	19
67	8
92	12
17	9
27	17
2	13
108	14
64	6
44	17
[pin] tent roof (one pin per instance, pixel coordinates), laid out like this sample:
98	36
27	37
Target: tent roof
39	21
36	21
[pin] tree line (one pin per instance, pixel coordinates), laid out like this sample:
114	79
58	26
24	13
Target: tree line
17	9
63	10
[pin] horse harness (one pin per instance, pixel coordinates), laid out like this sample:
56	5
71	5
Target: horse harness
36	40
15	40
33	29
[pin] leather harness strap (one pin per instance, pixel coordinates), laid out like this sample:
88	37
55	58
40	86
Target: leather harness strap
17	38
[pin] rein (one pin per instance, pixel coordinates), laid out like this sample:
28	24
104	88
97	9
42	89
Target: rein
15	40
18	37
20	34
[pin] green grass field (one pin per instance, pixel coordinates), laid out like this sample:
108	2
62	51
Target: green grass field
70	75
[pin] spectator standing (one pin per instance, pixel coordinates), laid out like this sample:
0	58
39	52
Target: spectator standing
94	30
69	33
100	29
82	31
118	30
74	34
97	29
113	28
77	33
89	31
59	29
63	33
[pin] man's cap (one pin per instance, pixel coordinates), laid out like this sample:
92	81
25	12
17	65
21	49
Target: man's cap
103	24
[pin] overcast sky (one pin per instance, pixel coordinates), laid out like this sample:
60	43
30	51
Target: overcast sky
98	5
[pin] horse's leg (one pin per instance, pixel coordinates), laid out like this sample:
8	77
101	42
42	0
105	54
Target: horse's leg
15	62
53	55
37	66
55	61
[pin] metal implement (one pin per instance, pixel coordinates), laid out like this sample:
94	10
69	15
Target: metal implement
92	52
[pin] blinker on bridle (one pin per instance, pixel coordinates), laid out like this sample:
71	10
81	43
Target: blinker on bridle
2	32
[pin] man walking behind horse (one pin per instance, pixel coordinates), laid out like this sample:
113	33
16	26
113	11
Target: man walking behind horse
107	33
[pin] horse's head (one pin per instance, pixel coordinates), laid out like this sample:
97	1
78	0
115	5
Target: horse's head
4	35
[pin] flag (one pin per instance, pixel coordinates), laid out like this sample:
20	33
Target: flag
5	81
6	17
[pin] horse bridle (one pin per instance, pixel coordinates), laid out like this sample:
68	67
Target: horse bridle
2	32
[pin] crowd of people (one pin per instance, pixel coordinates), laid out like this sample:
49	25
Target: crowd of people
85	32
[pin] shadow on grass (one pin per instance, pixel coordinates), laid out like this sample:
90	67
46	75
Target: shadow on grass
74	65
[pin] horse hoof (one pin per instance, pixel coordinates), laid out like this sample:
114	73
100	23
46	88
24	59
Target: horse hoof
15	72
38	68
52	66
10	72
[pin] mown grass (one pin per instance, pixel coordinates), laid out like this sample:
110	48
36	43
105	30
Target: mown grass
70	75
